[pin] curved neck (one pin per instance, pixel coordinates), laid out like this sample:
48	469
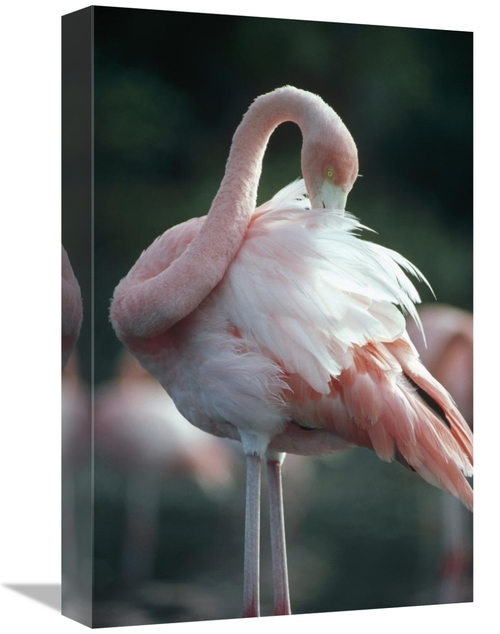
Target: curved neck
192	276
236	200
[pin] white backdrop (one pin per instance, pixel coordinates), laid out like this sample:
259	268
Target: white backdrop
30	284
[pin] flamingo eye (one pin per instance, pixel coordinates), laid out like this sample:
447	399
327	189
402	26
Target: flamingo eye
329	174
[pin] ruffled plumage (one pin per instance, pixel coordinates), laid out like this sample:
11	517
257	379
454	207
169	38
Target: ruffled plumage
329	308
307	288
308	326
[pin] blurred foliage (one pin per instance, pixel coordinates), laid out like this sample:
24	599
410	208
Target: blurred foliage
170	89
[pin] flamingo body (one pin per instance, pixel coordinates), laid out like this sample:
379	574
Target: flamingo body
278	326
304	327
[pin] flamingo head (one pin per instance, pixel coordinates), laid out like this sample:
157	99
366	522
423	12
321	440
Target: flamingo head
330	166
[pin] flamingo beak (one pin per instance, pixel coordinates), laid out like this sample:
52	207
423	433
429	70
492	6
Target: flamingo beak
330	196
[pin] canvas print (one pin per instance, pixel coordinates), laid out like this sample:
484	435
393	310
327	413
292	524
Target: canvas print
267	317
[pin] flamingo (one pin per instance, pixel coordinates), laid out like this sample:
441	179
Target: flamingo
449	356
140	432
278	326
72	311
448	351
75	431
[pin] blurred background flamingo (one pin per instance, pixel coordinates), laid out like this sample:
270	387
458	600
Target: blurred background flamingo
448	355
75	419
72	311
141	437
75	416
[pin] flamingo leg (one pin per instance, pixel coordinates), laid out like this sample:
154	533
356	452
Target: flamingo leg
278	544
251	581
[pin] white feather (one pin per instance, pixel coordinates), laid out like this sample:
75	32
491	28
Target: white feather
303	281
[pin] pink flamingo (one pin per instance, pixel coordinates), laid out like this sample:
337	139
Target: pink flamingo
449	352
75	428
140	432
449	356
279	327
75	410
72	311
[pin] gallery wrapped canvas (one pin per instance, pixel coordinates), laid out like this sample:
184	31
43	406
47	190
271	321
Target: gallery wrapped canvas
199	350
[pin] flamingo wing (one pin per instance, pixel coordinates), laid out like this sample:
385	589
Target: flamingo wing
324	305
307	289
